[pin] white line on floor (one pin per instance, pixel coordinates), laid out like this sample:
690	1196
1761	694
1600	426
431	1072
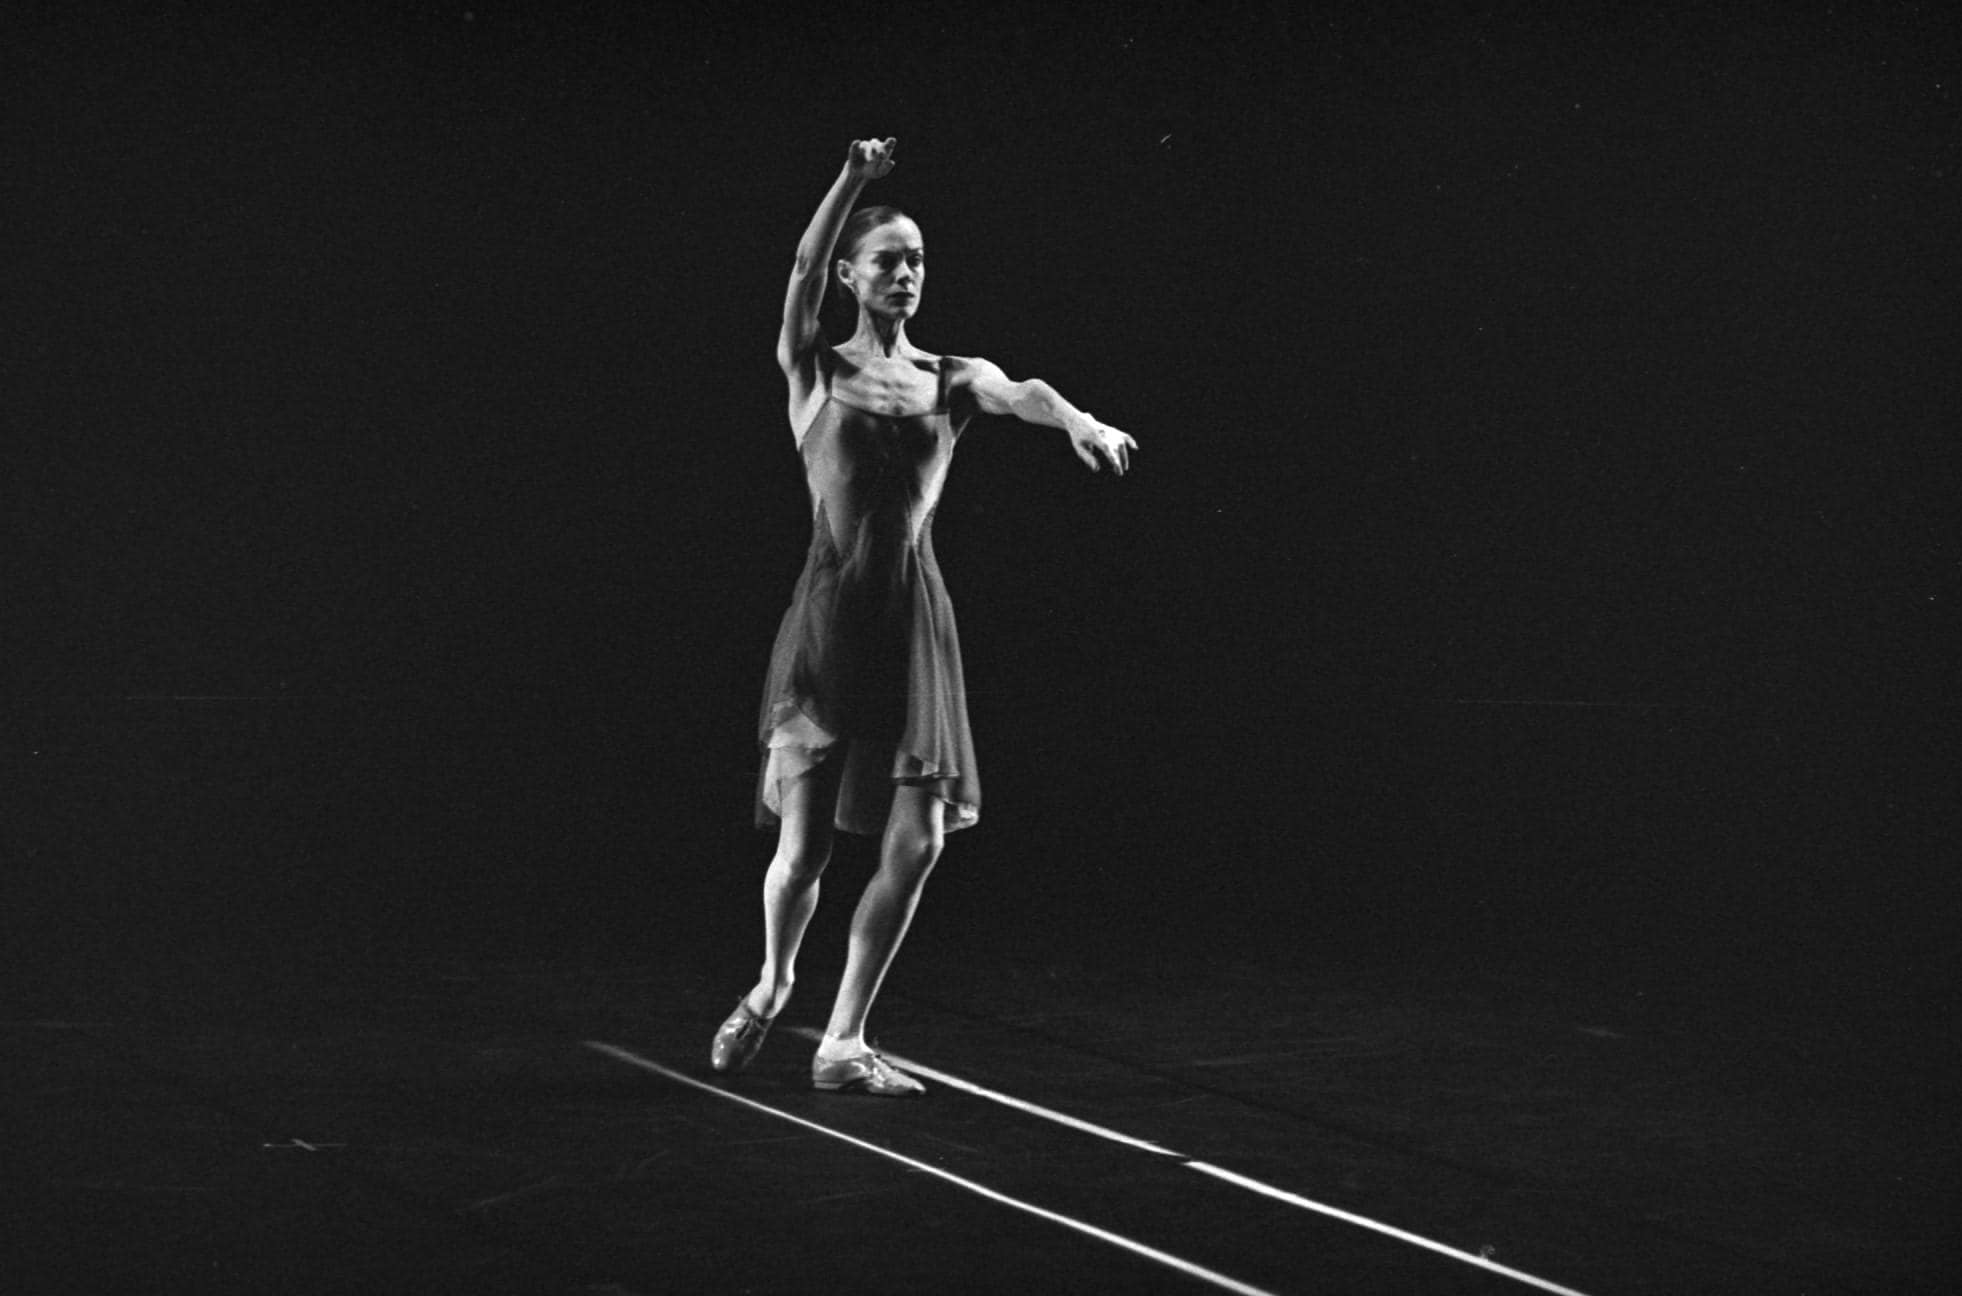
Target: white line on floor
1170	1261
1007	1100
1216	1172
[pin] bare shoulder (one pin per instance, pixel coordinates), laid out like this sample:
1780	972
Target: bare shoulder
965	371
803	368
978	384
964	364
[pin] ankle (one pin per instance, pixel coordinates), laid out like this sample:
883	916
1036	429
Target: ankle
834	1048
767	1000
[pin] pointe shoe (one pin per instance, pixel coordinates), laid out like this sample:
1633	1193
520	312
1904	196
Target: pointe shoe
738	1038
868	1073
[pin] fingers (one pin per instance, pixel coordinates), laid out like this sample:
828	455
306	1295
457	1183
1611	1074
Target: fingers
872	157
1119	447
1106	444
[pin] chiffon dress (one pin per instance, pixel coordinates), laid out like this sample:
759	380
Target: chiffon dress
866	668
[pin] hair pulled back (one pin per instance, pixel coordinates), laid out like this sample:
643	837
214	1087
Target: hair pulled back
858	227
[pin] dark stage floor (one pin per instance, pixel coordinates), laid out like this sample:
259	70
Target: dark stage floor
305	997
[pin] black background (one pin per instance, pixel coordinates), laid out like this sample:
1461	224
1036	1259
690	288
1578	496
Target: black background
1542	521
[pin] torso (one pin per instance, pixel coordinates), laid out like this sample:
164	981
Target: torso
898	386
893	386
874	476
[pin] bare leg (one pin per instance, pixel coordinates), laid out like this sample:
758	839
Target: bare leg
790	887
913	839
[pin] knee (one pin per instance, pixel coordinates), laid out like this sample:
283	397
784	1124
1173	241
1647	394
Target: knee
912	854
914	835
799	864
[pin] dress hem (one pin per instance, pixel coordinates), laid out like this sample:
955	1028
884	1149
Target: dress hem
786	760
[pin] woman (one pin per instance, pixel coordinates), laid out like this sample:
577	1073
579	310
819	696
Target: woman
864	724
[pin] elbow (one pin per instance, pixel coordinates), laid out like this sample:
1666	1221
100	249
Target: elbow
1016	399
1033	396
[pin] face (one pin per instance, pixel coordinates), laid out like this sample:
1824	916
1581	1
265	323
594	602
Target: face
889	271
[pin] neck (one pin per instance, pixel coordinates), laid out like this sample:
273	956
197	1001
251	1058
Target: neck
879	334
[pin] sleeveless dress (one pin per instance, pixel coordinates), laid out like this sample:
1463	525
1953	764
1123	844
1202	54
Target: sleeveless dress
867	665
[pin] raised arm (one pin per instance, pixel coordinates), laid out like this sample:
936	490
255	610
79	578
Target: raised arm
1035	401
867	160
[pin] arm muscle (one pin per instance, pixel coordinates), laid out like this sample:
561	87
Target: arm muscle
811	273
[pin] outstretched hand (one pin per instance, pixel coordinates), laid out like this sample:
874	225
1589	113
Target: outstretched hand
1096	443
871	159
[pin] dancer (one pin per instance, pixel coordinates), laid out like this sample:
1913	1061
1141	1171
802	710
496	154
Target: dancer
864	723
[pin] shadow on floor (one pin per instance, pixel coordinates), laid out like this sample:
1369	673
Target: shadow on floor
298	1003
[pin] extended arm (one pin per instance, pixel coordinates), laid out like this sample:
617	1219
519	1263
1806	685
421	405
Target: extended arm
1035	401
868	160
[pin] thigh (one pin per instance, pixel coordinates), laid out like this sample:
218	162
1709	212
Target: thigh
810	802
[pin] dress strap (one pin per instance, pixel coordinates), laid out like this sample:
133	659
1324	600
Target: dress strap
827	364
942	406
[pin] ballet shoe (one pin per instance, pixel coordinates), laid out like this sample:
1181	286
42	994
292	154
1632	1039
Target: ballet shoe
867	1073
738	1038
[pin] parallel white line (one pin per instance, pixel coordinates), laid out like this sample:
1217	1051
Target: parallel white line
1388	1230
1225	1176
1007	1100
1170	1261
